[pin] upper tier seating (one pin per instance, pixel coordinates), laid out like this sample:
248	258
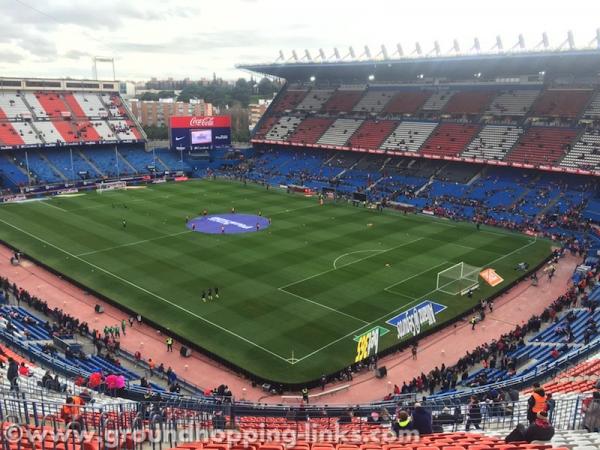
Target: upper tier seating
314	100
289	100
513	103
339	132
26	132
561	102
493	142
373	101
283	128
36	106
449	139
542	145
85	104
13	106
342	101
86	131
125	129
593	109
265	125
52	103
585	154
114	104
372	133
409	136
407	102
437	100
9	136
48	132
468	102
310	130
103	130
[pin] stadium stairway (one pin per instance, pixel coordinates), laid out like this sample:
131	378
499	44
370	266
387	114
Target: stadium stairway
126	162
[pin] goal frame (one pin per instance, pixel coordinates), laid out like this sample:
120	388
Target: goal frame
465	280
110	186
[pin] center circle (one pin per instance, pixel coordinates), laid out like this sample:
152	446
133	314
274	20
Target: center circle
228	223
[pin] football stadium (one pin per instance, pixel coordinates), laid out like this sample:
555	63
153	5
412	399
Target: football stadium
403	255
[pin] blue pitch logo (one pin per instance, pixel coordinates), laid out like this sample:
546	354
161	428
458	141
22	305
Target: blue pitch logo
228	223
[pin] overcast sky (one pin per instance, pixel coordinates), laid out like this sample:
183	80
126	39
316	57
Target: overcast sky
179	38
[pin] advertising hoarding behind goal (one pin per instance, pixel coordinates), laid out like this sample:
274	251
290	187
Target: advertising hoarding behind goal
194	133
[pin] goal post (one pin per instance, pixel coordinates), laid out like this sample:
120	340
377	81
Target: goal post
110	186
458	279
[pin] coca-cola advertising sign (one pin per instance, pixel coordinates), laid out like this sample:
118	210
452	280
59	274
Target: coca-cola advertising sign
201	122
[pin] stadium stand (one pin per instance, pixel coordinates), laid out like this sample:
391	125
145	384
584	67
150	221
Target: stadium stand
35	106
438	100
468	102
12	106
339	132
515	102
343	100
542	145
9	136
49	133
310	130
90	105
374	101
283	128
409	136
314	100
561	103
372	133
449	139
264	126
493	142
289	100
585	154
407	102
593	109
53	105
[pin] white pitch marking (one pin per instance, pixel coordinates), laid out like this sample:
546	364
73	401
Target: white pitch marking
352	253
379	319
162	299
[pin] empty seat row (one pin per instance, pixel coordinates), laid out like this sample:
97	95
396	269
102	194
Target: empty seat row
409	136
493	142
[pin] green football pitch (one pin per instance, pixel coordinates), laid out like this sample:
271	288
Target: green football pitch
293	297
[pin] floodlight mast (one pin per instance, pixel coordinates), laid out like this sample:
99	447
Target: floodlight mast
102	59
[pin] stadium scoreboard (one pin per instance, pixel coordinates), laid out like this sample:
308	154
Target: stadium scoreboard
198	133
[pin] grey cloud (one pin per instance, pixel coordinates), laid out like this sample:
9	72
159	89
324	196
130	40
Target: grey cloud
10	57
75	54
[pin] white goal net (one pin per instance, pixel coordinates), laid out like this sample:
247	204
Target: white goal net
110	186
458	279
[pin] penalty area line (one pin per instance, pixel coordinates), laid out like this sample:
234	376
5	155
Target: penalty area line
405	306
146	291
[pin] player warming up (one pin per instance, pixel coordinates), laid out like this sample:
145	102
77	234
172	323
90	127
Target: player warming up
124	222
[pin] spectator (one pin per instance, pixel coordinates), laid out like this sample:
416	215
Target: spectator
474	413
12	374
591	418
421	419
24	370
536	403
539	430
402	423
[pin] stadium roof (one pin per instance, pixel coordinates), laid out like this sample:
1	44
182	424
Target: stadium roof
577	62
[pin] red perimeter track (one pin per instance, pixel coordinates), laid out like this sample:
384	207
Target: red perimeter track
446	346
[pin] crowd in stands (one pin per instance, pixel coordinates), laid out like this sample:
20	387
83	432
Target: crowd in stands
497	354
